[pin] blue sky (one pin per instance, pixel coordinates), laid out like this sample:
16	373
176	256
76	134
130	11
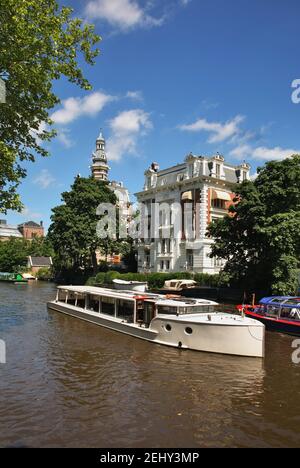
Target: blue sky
174	76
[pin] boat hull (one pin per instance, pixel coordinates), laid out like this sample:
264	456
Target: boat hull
238	340
281	326
211	337
104	321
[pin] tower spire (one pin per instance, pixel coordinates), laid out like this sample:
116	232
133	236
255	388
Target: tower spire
100	167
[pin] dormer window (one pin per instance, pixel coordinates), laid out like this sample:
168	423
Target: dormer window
180	177
218	171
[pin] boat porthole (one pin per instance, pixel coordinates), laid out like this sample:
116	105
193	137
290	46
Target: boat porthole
168	327
179	344
188	330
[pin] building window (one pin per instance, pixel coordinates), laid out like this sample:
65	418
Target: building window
218	171
219	204
190	258
162	264
191	171
218	262
168	265
166	246
244	175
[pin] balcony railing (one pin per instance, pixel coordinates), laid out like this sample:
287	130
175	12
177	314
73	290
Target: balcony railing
165	254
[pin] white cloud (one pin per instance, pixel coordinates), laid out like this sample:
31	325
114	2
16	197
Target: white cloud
73	108
208	104
241	151
44	180
63	135
254	176
262	152
275	153
29	214
35	133
123	14
135	95
219	132
184	2
126	128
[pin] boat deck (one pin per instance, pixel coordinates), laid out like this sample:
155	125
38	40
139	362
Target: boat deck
120	294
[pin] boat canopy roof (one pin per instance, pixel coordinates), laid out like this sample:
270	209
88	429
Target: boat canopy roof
160	299
181	281
6	274
281	301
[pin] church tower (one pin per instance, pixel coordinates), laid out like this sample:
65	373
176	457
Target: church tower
100	167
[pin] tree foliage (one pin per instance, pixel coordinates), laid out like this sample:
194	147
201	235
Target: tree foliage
73	230
14	252
260	240
39	43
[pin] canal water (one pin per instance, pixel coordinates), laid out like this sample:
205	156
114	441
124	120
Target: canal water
68	383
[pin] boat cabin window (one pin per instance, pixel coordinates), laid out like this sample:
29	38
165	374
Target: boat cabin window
125	310
71	298
93	302
80	300
108	305
291	313
201	309
62	295
277	300
293	301
166	310
272	311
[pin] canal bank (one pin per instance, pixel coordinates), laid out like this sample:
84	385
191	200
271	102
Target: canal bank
68	383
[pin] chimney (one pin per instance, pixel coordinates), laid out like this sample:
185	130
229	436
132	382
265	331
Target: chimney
41	223
155	167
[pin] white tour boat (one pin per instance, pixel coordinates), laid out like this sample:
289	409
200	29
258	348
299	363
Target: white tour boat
168	320
138	286
179	285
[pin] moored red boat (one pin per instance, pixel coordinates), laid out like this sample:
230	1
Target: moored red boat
277	313
247	307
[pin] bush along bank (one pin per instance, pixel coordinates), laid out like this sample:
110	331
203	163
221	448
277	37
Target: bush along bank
157	280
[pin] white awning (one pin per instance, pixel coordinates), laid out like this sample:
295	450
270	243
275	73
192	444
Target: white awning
187	195
220	195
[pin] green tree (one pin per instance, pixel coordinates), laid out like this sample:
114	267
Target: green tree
13	255
39	43
73	231
260	239
14	252
40	247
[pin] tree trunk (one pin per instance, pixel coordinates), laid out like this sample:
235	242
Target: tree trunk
94	261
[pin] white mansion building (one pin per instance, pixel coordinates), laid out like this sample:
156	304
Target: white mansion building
202	188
